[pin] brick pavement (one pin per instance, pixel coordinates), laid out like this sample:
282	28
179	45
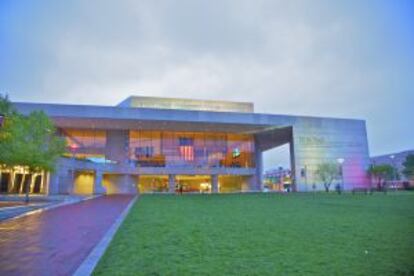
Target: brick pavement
55	242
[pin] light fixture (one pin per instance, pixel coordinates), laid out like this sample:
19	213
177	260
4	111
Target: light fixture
340	160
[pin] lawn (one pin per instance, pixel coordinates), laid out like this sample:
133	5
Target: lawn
265	234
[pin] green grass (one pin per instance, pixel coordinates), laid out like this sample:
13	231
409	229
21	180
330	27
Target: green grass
265	234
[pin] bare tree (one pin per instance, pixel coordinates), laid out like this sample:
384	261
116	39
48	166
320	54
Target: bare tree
327	173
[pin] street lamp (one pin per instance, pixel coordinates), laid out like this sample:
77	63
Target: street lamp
394	171
341	172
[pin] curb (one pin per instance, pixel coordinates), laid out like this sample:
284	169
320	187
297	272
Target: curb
43	209
90	262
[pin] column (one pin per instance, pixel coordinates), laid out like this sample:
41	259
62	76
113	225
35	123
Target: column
45	183
22	180
98	188
130	184
214	184
171	183
256	183
137	183
32	183
53	188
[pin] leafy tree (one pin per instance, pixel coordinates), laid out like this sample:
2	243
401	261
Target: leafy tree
30	142
6	107
8	114
381	173
327	173
408	164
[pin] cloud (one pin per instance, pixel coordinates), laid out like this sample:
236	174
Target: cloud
318	58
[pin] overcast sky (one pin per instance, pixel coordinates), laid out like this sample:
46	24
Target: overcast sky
352	59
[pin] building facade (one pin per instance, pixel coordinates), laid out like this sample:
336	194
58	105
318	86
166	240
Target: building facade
147	144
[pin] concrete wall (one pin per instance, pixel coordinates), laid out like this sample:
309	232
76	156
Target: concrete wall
319	141
120	184
117	145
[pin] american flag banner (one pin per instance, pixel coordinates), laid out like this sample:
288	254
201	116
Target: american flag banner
187	148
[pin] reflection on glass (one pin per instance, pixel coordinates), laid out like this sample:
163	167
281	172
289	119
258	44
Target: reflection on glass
191	149
85	143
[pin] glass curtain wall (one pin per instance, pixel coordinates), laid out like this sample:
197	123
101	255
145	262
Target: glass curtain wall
168	148
153	183
84	143
191	149
233	183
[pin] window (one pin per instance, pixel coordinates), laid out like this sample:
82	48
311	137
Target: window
186	148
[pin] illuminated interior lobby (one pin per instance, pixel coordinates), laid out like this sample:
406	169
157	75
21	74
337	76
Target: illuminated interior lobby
163	145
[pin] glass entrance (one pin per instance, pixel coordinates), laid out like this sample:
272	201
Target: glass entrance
193	183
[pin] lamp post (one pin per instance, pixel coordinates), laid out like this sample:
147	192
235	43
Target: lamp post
341	172
394	170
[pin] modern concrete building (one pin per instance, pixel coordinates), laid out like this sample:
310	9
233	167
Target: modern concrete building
147	144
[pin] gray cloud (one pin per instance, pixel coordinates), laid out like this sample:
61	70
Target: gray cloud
321	58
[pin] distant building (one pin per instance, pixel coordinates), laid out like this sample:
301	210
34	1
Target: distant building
278	179
394	159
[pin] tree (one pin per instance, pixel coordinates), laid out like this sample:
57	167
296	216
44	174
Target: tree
327	173
30	142
8	114
381	173
408	164
6	107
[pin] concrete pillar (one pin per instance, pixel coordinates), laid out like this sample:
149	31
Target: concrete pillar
130	183
293	171
21	188
53	188
10	189
12	184
45	183
137	184
256	183
171	183
32	183
98	187
214	184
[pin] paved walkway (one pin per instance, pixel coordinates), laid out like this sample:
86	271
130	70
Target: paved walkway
55	242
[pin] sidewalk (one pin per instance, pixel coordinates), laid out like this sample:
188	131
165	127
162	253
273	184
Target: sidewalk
12	206
56	242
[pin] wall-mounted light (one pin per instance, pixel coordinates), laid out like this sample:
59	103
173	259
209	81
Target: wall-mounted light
340	160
